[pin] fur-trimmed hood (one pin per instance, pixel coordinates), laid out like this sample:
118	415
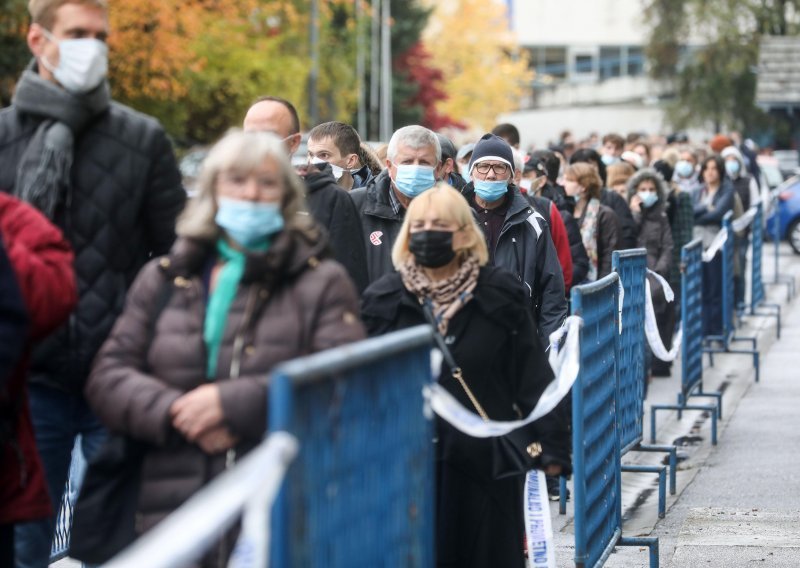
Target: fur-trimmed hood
648	174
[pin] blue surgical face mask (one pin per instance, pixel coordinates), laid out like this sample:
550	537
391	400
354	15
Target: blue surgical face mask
490	191
412	180
608	160
732	167
649	198
249	223
684	168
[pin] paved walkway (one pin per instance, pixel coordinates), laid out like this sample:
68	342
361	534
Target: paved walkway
743	507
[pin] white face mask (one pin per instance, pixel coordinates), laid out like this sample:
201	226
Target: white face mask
337	171
82	63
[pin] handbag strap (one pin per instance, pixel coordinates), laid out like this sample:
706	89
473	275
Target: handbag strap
455	370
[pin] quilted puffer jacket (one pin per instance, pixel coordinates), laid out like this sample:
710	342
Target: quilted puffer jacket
125	195
290	302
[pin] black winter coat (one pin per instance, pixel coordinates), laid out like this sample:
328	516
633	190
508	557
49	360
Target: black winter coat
493	340
626	235
525	248
379	223
13	319
580	260
331	206
125	195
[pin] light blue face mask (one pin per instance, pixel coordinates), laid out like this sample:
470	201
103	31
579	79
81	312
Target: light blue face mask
648	198
490	191
684	168
412	180
608	160
732	167
249	223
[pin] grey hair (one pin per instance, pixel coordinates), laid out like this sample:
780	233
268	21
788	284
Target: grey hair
240	151
415	137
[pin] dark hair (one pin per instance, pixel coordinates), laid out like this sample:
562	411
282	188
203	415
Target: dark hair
720	163
507	131
617	140
550	161
289	106
592	157
343	135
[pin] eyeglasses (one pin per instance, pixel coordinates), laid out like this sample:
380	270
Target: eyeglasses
498	169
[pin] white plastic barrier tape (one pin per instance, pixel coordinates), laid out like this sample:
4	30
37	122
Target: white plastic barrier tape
650	325
620	303
716	244
740	224
538	527
565	364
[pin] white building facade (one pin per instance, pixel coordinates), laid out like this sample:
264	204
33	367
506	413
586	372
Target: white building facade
591	71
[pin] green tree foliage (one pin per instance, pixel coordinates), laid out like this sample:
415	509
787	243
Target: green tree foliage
714	83
14	54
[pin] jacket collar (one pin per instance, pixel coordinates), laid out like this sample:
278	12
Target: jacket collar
518	210
291	252
378	201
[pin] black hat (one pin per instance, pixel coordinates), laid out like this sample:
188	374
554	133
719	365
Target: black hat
491	147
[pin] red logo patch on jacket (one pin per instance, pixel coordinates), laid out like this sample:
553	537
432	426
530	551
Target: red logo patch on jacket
375	238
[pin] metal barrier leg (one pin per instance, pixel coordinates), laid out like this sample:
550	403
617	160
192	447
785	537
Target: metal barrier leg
562	495
715	395
650	542
673	461
662	482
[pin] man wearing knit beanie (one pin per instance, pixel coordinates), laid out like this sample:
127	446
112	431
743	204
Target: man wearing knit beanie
518	238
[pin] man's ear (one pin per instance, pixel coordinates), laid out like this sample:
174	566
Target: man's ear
353	161
36	40
295	143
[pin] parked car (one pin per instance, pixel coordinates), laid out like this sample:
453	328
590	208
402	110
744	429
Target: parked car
785	214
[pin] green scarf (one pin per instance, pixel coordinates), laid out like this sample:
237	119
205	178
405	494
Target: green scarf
219	303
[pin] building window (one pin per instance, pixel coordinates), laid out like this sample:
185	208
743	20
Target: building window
584	64
550	63
635	61
610	62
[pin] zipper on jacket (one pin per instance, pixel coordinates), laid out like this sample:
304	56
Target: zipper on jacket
236	361
516	257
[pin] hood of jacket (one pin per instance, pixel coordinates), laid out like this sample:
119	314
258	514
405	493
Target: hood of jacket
648	174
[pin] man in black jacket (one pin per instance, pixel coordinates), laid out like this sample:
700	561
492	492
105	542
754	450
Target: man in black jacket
106	175
518	237
413	164
327	202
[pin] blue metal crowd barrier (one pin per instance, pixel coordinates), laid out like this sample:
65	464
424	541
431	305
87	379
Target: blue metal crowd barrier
631	265
692	346
722	343
366	459
595	442
758	298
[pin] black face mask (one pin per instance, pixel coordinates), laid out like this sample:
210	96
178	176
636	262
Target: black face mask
432	249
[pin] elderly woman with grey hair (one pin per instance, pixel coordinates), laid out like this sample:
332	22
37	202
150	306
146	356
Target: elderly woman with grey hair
647	197
246	286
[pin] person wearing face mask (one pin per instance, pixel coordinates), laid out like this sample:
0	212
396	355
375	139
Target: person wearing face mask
247	285
339	145
613	147
107	177
450	172
518	237
413	164
597	222
647	197
748	193
327	201
442	267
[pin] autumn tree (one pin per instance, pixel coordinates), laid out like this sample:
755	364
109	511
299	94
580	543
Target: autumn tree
485	72
714	83
14	54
